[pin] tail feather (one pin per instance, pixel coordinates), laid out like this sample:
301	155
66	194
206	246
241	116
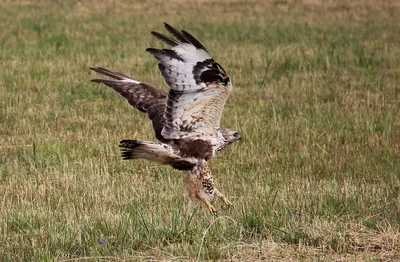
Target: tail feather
159	153
129	149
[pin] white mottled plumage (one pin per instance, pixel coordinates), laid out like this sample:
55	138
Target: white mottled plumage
191	54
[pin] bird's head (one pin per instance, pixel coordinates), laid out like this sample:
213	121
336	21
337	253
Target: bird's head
230	135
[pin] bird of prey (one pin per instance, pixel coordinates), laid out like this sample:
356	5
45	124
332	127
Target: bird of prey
186	121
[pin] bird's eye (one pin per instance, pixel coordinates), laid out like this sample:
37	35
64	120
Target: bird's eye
235	134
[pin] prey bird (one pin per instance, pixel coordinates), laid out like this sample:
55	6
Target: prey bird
186	121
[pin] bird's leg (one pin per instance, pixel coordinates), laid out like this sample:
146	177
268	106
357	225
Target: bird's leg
203	198
200	196
205	192
226	202
194	183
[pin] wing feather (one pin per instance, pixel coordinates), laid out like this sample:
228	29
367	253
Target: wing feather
199	86
143	97
176	33
165	39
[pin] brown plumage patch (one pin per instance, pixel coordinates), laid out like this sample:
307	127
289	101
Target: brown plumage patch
183	165
197	148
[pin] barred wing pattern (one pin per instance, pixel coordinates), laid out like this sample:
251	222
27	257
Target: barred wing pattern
199	87
144	97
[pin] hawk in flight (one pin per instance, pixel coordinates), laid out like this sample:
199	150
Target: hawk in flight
186	121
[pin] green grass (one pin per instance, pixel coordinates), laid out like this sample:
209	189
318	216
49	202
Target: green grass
316	99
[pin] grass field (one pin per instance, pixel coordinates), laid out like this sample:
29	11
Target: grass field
316	98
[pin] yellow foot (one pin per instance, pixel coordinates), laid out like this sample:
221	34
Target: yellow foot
212	210
226	202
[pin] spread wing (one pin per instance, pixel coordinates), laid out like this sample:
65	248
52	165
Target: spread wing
199	86
145	98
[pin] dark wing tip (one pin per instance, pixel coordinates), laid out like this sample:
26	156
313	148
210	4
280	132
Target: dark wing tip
109	73
166	25
158	53
184	37
176	33
165	39
193	40
98	69
152	50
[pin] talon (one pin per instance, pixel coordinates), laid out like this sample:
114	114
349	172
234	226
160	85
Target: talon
212	210
226	202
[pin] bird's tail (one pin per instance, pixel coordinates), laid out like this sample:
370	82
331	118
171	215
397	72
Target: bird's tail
159	153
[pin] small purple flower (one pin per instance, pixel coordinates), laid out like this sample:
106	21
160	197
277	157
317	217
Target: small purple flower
101	242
